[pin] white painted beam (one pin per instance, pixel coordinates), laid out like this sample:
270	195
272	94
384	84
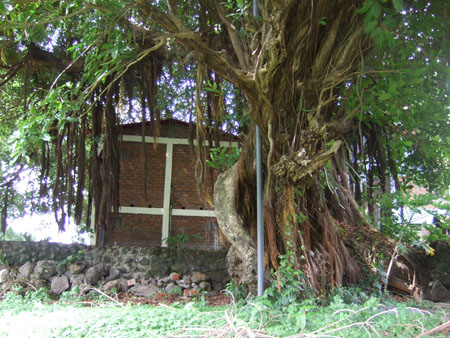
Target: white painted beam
167	193
160	211
193	212
170	140
141	211
93	237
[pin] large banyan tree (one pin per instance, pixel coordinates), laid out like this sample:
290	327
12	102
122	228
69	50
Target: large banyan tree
351	98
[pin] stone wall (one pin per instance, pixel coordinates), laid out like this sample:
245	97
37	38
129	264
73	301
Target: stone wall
135	265
17	253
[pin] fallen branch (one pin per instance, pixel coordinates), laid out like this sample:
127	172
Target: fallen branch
443	328
90	287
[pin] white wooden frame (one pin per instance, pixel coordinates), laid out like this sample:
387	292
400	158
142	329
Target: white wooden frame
165	211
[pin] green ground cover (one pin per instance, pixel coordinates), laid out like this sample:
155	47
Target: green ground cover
33	315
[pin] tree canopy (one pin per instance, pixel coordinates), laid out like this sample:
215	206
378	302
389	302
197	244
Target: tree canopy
352	99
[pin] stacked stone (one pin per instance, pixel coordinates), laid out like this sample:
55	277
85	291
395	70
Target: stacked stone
107	277
68	266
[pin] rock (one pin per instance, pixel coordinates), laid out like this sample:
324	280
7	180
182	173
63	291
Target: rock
107	259
187	279
96	260
198	277
59	285
38	283
439	293
217	286
45	269
144	261
123	268
165	280
174	276
130	259
113	274
13	273
60	269
104	269
137	275
148	290
78	281
151	281
445	279
205	286
26	270
94	273
182	284
176	267
172	287
4	275
76	268
140	268
120	285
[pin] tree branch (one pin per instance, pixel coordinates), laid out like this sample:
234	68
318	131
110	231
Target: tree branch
326	47
190	40
231	29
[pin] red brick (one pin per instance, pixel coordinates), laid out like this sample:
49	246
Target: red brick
145	230
190	293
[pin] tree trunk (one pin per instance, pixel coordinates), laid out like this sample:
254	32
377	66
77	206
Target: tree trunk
242	255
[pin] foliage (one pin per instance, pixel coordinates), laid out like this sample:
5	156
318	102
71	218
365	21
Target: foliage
237	291
3	258
78	256
288	284
11	235
403	101
223	158
352	93
179	240
370	318
406	225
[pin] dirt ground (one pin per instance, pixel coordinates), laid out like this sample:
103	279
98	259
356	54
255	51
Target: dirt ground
170	298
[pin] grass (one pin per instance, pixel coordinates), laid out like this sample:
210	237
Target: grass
33	315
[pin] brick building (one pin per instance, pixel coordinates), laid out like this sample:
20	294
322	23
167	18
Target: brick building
172	208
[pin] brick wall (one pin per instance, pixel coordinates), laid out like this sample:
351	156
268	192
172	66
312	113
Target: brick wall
184	184
132	175
146	230
135	230
203	232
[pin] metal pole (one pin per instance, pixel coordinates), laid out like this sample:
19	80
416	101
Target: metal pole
259	200
259	215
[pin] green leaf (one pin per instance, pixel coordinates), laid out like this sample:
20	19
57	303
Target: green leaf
366	6
385	96
73	119
370	27
408	143
375	10
46	137
398	4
